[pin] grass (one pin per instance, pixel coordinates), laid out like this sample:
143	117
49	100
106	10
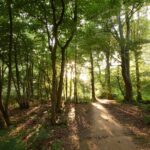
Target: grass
146	110
147	119
32	132
57	145
11	142
145	107
17	142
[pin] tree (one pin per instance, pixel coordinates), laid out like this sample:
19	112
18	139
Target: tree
123	21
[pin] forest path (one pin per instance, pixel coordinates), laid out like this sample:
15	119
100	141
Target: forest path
94	128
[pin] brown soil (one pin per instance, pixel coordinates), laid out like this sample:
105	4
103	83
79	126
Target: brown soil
103	125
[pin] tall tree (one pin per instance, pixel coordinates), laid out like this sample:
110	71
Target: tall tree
123	36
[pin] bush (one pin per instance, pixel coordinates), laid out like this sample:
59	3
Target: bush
147	119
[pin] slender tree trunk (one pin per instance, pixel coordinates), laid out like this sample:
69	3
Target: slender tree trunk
39	96
118	80
136	35
56	23
125	59
109	96
28	92
70	94
66	84
49	84
31	78
54	88
138	82
60	87
24	103
15	85
2	108
2	123
5	113
92	77
100	75
75	78
17	76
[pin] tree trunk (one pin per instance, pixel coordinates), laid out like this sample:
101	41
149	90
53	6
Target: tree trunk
31	77
25	102
5	112
2	121
54	88
5	115
17	76
137	56
28	92
118	80
125	59
138	82
53	49
92	77
75	78
66	84
128	95
109	93
60	87
39	94
70	90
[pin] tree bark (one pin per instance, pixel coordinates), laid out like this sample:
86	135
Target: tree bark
109	93
5	112
137	56
125	59
17	76
57	21
92	77
5	115
75	78
60	88
118	80
54	88
126	76
66	82
70	86
138	82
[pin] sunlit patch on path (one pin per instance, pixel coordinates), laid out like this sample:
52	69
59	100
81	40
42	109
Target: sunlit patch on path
94	128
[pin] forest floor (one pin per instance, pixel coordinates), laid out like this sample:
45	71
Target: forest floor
102	125
106	125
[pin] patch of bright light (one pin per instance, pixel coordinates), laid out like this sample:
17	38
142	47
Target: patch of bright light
99	106
71	114
83	77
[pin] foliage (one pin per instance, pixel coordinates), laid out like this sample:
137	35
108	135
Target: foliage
11	143
57	145
147	119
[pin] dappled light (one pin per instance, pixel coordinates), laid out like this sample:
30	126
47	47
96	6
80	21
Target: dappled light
105	115
84	77
99	106
74	75
94	126
71	114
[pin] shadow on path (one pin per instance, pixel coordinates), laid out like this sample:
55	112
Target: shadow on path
94	128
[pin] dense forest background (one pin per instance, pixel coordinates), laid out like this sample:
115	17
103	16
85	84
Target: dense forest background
61	51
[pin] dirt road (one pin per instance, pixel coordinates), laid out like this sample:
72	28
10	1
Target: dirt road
92	127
